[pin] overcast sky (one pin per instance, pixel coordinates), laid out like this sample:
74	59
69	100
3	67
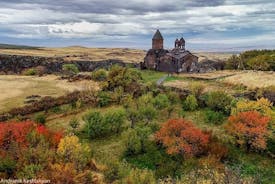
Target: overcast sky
211	25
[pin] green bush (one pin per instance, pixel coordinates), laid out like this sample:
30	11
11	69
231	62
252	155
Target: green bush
74	123
161	101
136	141
95	126
40	118
213	117
190	103
115	119
259	63
7	165
104	99
219	101
99	125
148	113
131	142
70	68
30	71
99	75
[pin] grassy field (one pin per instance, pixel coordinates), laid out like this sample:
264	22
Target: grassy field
14	89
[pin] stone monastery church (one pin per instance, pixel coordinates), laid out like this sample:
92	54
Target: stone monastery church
175	61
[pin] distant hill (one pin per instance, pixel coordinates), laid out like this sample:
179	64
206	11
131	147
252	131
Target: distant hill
8	46
80	53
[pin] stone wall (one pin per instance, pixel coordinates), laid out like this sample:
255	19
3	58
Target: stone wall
11	64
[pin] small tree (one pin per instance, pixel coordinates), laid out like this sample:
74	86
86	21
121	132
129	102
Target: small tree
250	129
182	137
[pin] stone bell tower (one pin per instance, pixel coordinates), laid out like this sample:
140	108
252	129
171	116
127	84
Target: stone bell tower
157	41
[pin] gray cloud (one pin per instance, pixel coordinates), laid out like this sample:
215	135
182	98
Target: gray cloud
132	19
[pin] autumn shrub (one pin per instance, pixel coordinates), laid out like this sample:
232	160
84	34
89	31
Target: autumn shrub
262	105
99	75
115	119
250	130
131	142
180	136
70	150
214	117
70	68
190	103
29	145
127	78
219	101
15	132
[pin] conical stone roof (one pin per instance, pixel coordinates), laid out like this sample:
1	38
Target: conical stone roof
157	36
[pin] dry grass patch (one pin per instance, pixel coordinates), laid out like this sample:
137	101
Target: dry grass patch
252	79
14	89
210	75
82	53
216	56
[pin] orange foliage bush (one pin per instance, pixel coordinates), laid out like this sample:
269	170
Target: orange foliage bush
182	137
250	129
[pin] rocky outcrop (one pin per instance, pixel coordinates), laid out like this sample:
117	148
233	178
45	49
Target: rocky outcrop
17	64
210	65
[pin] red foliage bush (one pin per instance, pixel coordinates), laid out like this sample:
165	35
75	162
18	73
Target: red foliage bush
18	132
182	137
250	129
15	131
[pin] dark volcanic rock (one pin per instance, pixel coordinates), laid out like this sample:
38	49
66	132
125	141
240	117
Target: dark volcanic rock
16	64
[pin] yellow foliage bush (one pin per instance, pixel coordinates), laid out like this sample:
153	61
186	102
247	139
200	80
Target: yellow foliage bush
71	150
262	105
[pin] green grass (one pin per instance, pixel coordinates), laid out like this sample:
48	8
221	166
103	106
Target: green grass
151	76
